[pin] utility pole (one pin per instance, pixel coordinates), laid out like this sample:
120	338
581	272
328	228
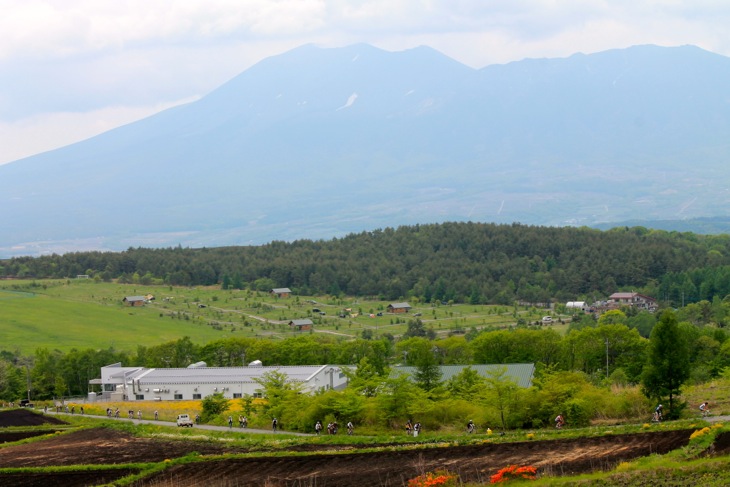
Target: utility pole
27	378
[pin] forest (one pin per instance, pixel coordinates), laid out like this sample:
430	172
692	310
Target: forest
608	366
464	262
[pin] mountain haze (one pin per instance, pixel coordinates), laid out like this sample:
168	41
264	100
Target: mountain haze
317	142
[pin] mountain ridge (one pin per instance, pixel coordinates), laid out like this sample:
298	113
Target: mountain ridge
315	143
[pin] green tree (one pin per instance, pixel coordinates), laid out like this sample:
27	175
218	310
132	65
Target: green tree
669	362
279	393
428	372
213	406
467	384
12	381
500	393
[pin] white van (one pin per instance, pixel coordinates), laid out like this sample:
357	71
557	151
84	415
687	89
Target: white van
184	420
547	319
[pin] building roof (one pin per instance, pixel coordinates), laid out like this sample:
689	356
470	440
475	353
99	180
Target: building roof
629	295
281	290
399	305
135	298
303	322
222	375
522	374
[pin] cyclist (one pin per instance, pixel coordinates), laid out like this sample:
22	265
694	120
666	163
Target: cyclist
470	428
658	413
705	409
559	421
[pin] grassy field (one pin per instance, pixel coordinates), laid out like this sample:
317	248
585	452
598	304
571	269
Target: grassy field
63	314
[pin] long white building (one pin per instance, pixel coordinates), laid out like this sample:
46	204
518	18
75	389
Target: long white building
198	381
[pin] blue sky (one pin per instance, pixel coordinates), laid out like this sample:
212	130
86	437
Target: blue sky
70	69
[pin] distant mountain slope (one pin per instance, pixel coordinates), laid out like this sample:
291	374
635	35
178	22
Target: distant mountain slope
319	142
702	226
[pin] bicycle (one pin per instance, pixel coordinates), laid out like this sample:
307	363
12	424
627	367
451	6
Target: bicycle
470	428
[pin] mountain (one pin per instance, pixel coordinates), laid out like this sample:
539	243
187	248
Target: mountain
316	143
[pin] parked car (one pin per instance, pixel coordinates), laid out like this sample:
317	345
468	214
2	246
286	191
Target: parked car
547	319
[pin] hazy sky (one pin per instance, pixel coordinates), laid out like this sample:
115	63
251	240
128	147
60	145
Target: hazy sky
70	69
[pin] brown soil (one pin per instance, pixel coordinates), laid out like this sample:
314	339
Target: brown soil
474	463
65	479
25	417
326	469
100	446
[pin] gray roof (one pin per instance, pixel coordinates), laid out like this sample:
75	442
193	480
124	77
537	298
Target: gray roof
399	305
280	290
135	298
224	375
521	373
303	322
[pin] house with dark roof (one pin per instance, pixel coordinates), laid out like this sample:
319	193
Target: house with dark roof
399	308
301	325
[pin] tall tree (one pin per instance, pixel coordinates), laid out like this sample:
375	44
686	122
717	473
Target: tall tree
669	362
500	392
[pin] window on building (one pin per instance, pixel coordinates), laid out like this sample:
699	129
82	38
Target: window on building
197	396
258	395
178	396
110	387
139	397
237	395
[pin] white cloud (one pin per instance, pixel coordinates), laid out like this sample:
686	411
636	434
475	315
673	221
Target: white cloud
83	58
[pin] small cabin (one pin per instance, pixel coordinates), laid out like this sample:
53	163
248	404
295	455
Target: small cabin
399	308
134	300
301	325
281	292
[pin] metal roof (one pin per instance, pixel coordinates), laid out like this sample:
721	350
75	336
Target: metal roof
301	322
399	305
298	373
521	373
279	290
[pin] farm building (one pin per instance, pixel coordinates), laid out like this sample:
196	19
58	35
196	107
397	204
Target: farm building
281	292
522	374
577	305
134	300
399	308
301	325
198	381
635	300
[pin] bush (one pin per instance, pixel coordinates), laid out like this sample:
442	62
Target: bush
213	406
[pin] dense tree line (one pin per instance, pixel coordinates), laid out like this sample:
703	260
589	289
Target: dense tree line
614	348
464	262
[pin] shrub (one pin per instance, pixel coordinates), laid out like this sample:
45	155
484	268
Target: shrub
438	478
514	472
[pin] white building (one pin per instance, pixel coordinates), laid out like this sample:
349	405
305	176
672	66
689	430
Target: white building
198	381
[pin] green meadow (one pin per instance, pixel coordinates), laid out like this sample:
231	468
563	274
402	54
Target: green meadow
66	314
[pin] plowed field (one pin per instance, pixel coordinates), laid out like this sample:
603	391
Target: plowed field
320	468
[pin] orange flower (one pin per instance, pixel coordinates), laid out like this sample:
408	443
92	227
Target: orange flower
514	472
432	479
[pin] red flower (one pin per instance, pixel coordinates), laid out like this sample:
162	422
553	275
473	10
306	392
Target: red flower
514	472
